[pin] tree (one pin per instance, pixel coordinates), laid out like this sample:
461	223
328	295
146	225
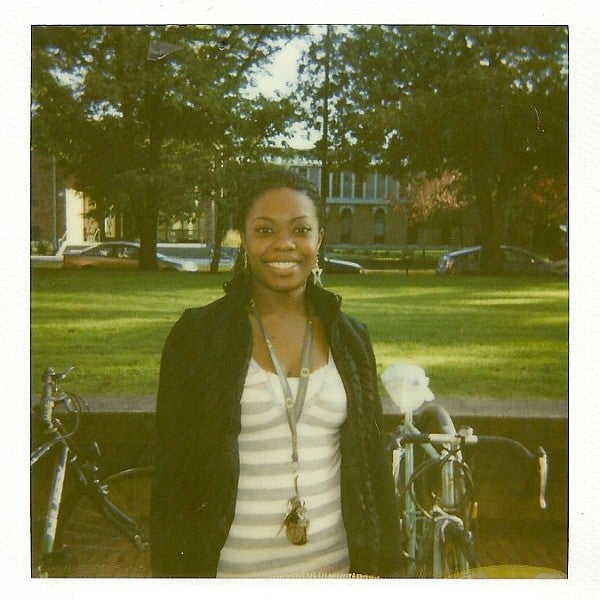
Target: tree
122	106
487	102
432	201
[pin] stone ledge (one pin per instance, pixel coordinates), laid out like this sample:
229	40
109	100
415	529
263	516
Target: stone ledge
124	429
457	407
483	407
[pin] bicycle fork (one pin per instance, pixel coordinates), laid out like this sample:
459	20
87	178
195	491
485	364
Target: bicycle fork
441	521
51	523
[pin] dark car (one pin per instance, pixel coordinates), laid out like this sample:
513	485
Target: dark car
335	265
122	256
516	261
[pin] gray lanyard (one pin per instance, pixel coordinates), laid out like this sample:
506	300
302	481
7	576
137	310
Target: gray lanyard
293	407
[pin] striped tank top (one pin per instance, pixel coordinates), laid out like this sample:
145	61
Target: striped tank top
256	545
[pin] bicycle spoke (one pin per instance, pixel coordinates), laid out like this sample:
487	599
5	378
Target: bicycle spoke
95	547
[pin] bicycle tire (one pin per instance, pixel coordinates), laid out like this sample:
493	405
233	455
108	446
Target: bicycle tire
458	552
92	545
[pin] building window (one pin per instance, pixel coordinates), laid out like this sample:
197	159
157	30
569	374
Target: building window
336	185
393	189
347	184
370	187
346	227
379	237
359	186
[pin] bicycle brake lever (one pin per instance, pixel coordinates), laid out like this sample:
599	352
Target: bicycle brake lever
543	472
62	376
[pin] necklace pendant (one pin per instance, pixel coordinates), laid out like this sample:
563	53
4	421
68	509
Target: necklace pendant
296	523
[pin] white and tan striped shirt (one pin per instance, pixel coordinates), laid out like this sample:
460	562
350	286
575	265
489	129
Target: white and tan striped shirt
255	546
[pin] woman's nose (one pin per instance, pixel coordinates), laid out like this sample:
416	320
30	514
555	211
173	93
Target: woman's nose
285	240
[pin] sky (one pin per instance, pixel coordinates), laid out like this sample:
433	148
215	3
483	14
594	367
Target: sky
278	78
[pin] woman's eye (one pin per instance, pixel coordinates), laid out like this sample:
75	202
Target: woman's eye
304	229
263	230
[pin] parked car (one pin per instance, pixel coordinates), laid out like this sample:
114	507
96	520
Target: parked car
200	255
335	265
122	256
516	261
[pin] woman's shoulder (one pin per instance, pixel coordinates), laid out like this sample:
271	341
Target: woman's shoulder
216	314
212	309
329	309
354	329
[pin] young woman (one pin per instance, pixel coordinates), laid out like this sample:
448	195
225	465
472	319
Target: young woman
270	447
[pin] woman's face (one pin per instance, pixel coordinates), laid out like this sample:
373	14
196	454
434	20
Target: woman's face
282	238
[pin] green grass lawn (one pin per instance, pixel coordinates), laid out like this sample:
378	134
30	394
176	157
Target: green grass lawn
475	336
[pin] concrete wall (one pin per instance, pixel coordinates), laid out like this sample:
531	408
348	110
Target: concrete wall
506	489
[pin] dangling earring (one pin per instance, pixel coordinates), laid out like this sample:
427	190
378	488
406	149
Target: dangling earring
316	273
246	269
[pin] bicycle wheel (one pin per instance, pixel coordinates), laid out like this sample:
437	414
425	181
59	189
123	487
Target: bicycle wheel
93	545
457	551
454	556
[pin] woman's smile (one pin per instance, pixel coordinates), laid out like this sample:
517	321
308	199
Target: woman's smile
282	265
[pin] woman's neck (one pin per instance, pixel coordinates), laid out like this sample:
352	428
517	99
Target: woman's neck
281	303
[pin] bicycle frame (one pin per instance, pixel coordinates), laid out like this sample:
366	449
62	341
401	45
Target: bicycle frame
54	502
448	501
87	474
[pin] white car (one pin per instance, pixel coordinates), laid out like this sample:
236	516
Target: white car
123	256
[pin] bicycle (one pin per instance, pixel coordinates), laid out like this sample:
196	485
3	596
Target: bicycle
435	489
100	529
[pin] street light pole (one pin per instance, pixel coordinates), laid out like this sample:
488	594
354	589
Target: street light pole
325	137
54	236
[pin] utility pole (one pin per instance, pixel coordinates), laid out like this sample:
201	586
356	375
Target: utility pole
325	130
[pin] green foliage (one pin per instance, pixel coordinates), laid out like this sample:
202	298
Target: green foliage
475	336
123	125
486	102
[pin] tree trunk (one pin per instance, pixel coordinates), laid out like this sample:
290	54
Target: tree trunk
147	221
220	231
147	214
488	198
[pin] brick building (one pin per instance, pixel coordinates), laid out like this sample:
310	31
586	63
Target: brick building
359	212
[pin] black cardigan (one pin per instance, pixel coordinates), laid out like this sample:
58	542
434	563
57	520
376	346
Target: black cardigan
203	369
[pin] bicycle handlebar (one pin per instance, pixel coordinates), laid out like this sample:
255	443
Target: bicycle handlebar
451	439
466	437
44	411
49	400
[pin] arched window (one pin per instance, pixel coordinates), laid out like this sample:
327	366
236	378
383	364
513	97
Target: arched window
379	234
346	226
